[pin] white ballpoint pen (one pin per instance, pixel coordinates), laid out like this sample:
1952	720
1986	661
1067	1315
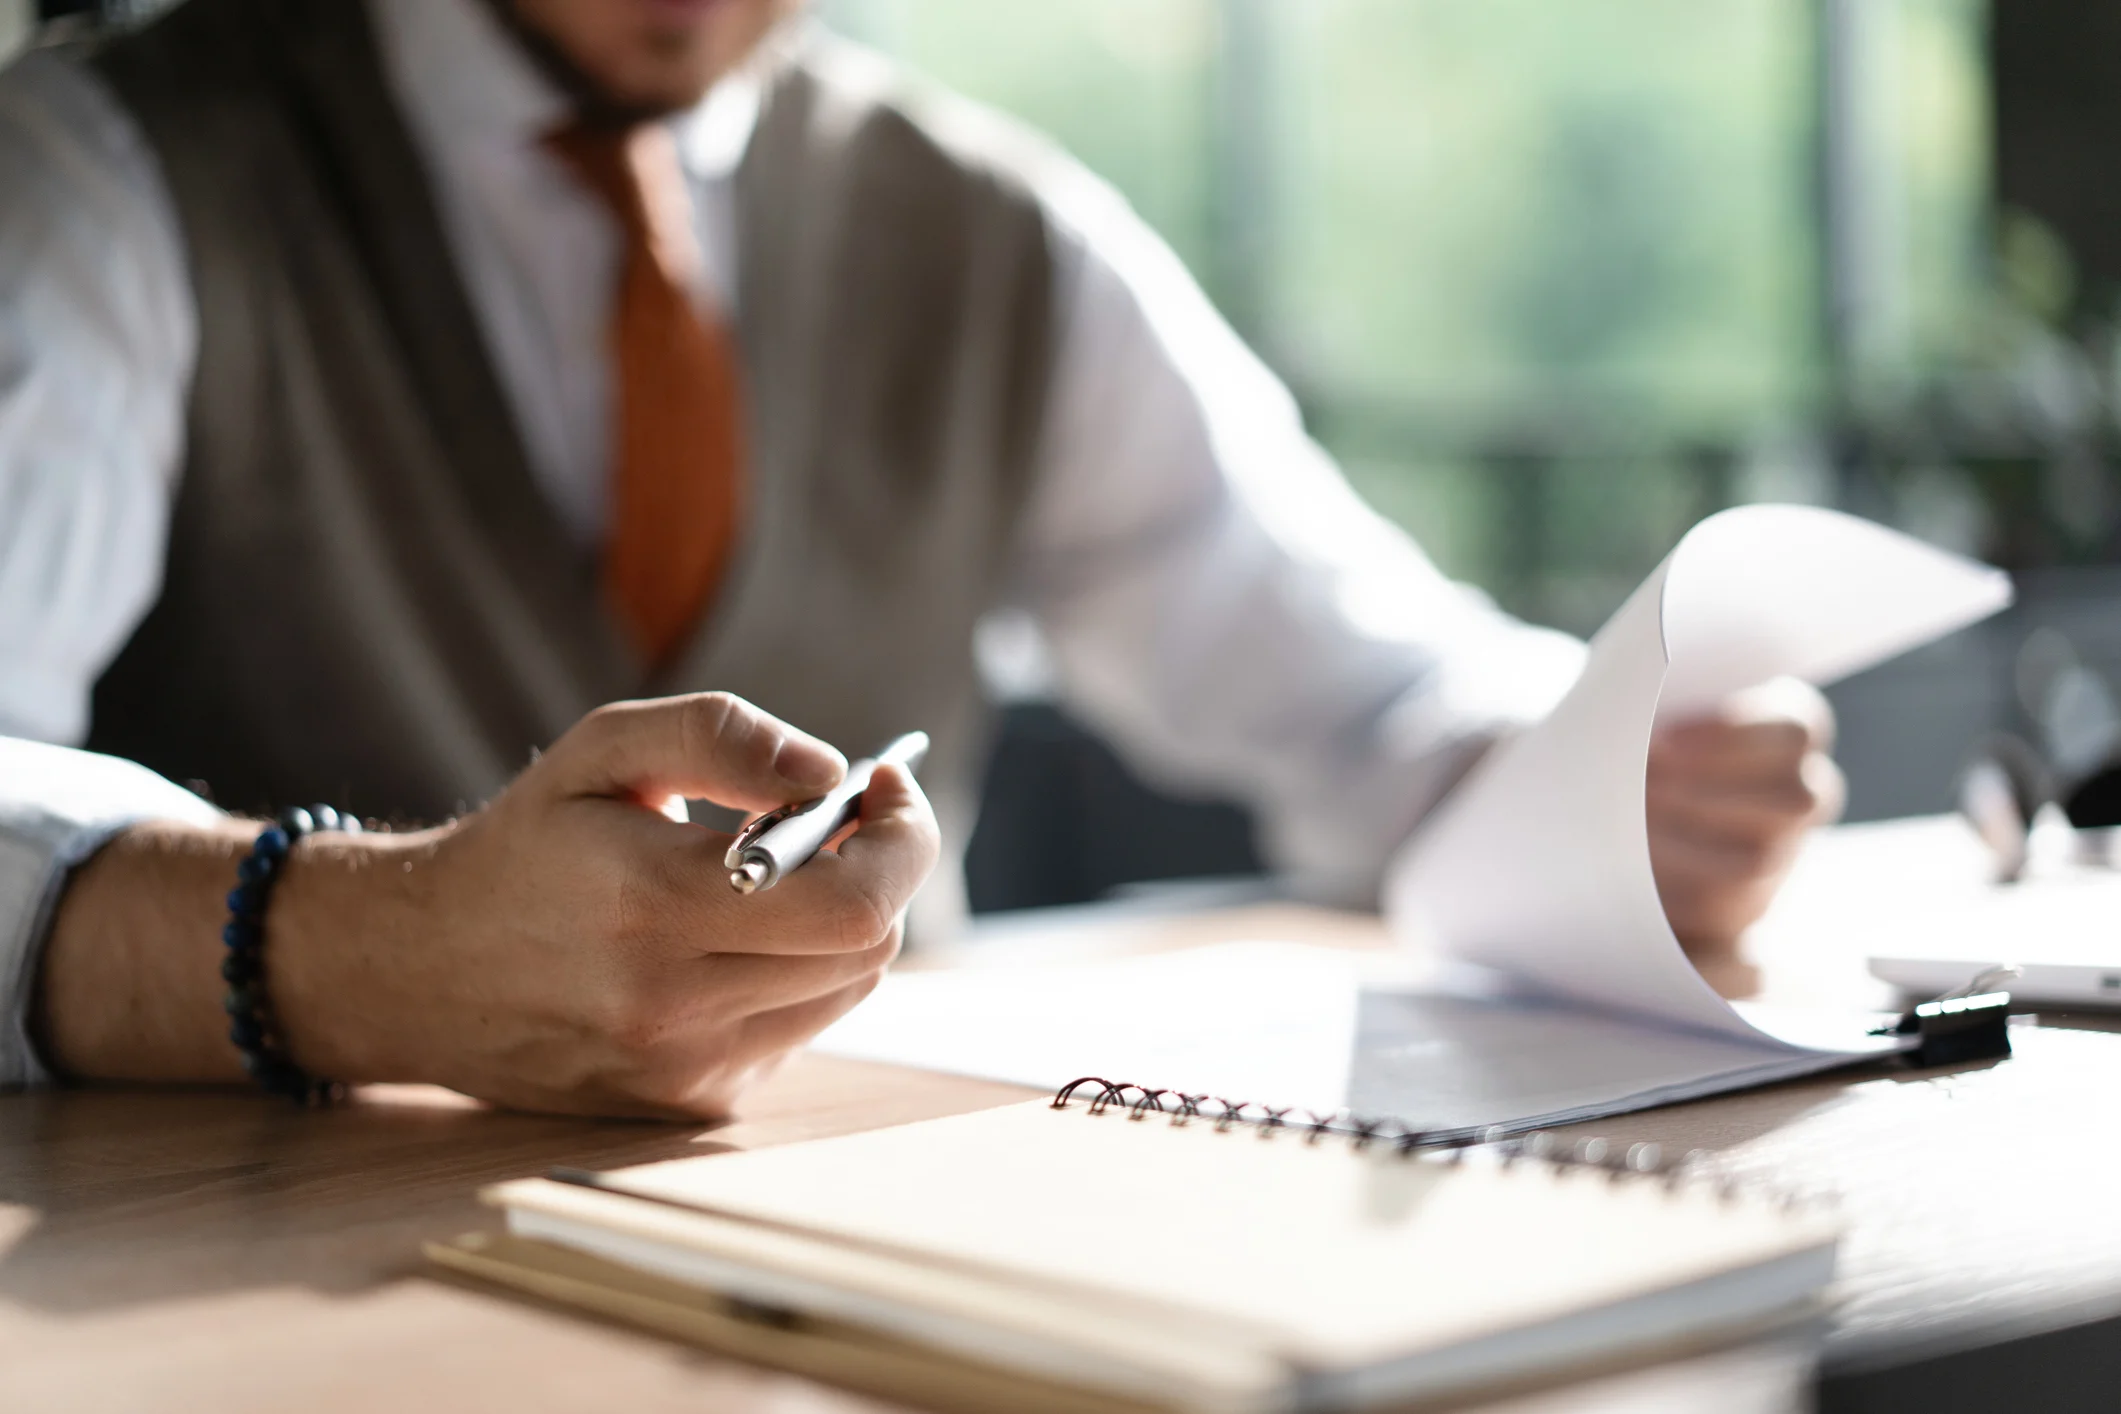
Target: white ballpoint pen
785	839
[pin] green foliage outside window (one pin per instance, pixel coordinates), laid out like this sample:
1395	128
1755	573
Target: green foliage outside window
1550	276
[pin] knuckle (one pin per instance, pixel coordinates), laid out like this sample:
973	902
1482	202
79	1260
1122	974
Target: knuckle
718	709
1801	802
886	953
703	722
865	914
722	727
928	838
864	966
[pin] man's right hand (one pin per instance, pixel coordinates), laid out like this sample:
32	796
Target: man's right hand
569	947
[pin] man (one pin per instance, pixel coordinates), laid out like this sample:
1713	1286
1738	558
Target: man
387	385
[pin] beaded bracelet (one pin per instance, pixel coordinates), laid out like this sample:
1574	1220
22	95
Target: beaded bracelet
251	1027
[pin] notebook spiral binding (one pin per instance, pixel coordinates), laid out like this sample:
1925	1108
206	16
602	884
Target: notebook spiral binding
1637	1160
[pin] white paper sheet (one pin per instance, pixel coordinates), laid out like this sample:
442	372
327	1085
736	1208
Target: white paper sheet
1302	1027
1268	1021
1539	866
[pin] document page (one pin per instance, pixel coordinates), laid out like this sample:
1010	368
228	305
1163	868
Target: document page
1539	866
1295	1027
1272	1022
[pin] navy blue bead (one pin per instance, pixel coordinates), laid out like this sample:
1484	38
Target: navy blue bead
242	968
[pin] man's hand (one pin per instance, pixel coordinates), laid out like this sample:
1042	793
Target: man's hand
568	947
1730	798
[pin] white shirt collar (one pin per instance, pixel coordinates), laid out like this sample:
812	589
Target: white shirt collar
465	82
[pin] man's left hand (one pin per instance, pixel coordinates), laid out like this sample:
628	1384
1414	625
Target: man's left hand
1730	798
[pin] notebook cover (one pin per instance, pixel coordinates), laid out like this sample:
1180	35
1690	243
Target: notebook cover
1210	1258
838	1354
853	1358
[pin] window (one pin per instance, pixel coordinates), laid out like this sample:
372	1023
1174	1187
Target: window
1551	277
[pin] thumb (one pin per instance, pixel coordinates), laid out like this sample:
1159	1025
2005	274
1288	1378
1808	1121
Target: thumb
711	745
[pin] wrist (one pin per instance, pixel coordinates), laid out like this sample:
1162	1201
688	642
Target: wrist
344	938
130	986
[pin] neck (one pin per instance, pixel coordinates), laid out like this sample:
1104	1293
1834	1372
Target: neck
594	104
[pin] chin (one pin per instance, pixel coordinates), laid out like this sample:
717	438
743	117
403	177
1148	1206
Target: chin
649	56
662	94
673	67
680	13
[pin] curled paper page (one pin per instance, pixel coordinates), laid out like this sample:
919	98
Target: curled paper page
1538	868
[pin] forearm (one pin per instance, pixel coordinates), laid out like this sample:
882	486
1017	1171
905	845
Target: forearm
564	948
131	985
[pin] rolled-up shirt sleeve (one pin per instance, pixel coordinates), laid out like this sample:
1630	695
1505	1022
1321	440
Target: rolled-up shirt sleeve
1218	601
58	806
97	341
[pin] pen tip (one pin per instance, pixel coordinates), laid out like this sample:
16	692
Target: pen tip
748	877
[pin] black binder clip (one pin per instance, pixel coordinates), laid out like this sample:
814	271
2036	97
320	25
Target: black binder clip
1966	1025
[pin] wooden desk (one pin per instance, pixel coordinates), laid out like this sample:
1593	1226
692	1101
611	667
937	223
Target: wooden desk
215	1251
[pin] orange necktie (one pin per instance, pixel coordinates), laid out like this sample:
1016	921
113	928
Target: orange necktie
677	446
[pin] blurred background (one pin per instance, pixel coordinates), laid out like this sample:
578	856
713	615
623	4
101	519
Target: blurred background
1556	278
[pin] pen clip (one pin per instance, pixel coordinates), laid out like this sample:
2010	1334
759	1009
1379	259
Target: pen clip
750	834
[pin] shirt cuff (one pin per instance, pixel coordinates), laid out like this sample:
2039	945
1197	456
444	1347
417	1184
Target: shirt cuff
58	807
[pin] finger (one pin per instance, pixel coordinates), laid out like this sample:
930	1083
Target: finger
1786	710
1740	843
1690	856
743	984
1711	894
705	1084
833	903
710	745
1730	754
770	1032
1811	795
862	889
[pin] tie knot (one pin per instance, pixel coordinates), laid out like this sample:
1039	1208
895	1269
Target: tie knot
635	172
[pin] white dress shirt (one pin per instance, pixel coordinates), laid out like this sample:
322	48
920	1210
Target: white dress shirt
1208	590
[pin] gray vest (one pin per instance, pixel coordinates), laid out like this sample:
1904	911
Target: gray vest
368	601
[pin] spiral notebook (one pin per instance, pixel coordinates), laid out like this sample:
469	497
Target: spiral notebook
1130	1249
